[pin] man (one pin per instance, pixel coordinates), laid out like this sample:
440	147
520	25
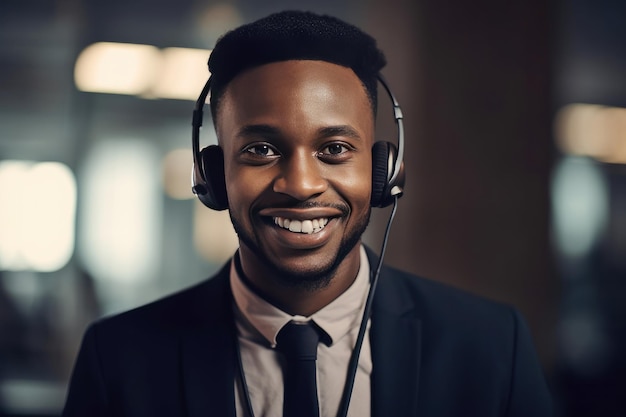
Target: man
293	97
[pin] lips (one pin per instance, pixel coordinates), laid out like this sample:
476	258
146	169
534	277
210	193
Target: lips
301	226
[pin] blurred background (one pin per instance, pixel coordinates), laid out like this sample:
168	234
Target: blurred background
515	115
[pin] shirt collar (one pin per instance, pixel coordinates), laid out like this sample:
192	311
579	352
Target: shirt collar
336	319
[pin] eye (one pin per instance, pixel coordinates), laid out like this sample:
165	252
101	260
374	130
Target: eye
334	149
335	152
262	150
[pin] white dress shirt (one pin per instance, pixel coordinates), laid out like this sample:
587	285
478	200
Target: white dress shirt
258	322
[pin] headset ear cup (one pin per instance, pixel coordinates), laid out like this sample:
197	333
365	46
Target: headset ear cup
212	158
385	188
381	170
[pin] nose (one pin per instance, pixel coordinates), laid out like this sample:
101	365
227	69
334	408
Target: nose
300	177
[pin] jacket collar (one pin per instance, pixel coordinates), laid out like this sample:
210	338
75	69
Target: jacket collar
395	336
208	351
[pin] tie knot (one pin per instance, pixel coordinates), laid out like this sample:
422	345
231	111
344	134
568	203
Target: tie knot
298	341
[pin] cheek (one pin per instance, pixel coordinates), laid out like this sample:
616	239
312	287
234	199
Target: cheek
239	187
245	185
355	184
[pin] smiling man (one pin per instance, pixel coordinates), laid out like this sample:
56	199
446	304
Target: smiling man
285	327
297	138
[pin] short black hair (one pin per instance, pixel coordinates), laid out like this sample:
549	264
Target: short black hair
295	35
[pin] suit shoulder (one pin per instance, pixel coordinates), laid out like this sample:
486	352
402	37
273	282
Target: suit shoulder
183	308
442	302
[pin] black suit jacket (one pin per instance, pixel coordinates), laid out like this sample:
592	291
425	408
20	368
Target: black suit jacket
436	351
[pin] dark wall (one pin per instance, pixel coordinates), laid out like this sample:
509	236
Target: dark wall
475	80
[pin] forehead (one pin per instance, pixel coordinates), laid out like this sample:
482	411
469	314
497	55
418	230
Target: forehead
301	82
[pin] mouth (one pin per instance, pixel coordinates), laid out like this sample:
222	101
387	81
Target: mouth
308	226
301	226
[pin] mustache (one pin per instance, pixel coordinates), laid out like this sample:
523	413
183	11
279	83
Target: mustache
343	208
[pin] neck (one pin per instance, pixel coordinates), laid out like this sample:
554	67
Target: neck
303	300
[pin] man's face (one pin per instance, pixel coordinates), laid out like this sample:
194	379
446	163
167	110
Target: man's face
297	138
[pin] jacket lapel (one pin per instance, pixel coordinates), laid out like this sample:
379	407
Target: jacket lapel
208	352
395	336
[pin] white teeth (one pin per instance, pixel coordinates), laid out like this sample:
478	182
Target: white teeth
304	226
307	226
295	226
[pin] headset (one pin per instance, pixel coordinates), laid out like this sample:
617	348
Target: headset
208	181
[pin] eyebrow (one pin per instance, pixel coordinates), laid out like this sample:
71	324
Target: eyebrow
341	130
329	131
258	130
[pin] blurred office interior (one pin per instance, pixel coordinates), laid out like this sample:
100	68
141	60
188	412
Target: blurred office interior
515	114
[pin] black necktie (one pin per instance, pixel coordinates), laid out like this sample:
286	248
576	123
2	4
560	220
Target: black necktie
298	342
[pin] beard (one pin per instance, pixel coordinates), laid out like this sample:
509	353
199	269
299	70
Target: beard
313	279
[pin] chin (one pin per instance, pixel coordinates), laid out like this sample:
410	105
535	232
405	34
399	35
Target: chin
311	271
305	276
